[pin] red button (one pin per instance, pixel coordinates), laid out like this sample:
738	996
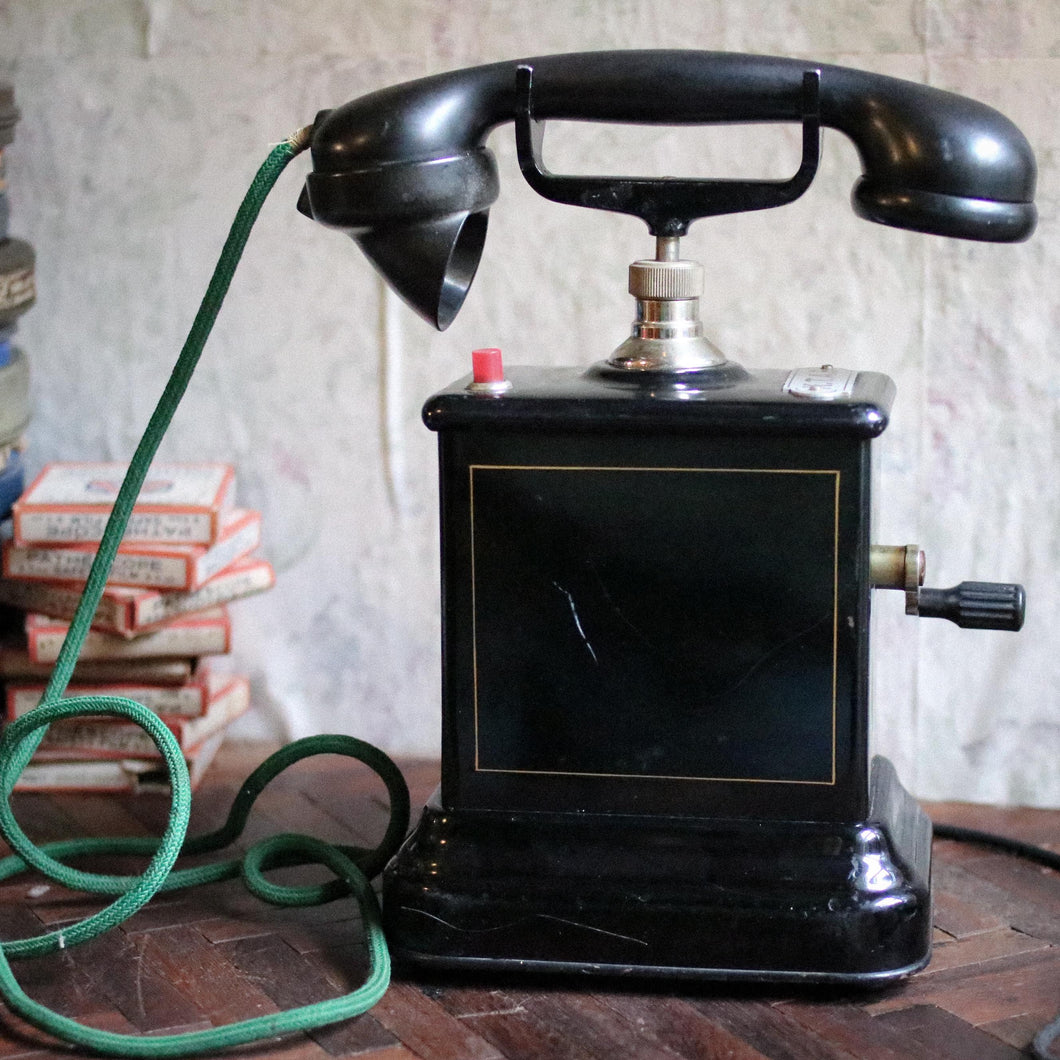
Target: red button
487	366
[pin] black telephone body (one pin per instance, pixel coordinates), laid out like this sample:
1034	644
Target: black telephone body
657	569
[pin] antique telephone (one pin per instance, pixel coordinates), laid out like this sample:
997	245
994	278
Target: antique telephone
656	574
657	569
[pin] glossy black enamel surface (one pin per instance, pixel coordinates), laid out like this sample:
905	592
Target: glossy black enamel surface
650	622
613	895
726	400
655	678
655	601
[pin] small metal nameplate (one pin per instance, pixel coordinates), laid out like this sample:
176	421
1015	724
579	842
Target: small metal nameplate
823	383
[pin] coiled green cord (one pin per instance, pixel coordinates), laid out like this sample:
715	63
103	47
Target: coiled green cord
353	867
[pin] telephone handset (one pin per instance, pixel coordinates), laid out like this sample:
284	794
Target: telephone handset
405	170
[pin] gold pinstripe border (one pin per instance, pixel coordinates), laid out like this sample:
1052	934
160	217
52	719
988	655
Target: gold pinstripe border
837	475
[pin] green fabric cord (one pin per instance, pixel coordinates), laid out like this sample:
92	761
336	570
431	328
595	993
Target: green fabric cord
352	867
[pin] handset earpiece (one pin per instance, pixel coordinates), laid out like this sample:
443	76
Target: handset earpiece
420	220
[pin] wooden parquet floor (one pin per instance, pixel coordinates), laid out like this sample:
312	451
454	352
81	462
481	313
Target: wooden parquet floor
188	961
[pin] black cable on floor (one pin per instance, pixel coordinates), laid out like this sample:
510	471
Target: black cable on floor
1049	858
1043	1040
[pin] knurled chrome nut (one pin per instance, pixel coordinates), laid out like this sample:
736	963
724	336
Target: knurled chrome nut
660	281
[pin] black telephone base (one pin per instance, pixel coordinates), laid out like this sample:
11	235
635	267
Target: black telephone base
815	902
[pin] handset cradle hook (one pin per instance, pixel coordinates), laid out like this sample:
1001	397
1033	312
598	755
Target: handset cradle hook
668	205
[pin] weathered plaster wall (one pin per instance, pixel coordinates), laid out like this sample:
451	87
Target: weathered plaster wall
143	121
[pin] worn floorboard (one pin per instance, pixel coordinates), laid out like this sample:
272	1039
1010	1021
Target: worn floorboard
191	961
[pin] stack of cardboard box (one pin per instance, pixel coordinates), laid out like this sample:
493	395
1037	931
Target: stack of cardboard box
186	554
